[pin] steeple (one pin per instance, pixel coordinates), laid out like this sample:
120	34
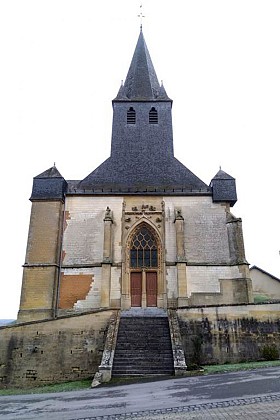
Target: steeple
141	83
142	158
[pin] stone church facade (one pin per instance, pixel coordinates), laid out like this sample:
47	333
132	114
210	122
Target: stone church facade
140	230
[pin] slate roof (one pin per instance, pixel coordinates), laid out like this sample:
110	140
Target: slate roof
141	83
222	175
153	176
50	173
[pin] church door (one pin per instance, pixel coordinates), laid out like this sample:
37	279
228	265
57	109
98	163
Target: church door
136	288
151	288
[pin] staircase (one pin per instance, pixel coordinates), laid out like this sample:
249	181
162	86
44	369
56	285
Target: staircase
143	344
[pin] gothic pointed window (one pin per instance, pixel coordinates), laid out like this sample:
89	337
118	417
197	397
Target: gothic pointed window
143	250
153	116
131	116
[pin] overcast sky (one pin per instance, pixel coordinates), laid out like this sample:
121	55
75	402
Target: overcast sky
61	64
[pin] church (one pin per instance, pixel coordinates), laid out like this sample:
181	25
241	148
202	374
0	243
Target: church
140	267
141	230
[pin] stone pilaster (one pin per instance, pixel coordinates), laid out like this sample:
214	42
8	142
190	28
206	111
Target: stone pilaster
236	242
181	259
107	259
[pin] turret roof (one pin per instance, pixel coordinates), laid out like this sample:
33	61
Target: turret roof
222	175
50	173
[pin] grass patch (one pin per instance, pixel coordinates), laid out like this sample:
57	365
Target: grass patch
239	366
63	387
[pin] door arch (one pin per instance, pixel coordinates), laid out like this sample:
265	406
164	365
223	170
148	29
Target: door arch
143	261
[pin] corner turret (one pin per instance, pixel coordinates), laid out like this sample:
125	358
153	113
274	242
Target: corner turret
49	185
223	188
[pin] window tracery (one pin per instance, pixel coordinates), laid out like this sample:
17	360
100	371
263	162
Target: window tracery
143	249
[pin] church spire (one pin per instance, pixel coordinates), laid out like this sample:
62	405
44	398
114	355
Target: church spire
142	157
141	82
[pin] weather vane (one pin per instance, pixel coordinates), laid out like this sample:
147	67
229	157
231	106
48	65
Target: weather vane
141	16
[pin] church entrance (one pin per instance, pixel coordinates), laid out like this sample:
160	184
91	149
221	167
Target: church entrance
143	267
143	288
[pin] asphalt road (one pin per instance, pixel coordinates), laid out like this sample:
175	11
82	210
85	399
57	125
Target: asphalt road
223	396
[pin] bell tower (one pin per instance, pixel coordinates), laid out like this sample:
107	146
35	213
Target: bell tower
142	156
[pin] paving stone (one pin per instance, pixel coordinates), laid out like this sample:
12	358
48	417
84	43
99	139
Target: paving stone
255	408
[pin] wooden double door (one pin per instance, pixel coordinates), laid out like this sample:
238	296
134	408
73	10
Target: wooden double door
143	288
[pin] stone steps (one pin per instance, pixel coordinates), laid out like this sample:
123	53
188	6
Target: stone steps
143	346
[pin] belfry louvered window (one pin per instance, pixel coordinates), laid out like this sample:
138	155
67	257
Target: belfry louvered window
153	116
131	116
143	250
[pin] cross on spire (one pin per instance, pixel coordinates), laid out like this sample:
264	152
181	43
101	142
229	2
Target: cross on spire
141	16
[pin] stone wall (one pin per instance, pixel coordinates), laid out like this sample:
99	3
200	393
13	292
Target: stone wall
205	232
212	254
78	258
85	281
206	245
229	334
83	237
60	350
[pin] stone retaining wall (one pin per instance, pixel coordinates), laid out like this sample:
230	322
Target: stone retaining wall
71	347
228	334
59	350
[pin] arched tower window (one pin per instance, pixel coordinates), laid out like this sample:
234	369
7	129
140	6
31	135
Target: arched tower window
153	116
131	116
143	249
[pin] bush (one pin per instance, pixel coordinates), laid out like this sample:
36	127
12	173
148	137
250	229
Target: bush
270	352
